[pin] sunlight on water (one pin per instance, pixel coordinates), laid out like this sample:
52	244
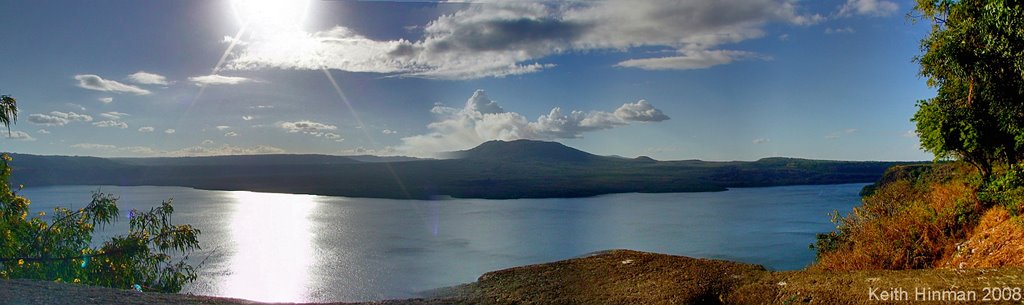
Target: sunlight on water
273	247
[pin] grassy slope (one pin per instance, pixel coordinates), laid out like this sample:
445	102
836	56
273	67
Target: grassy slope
929	216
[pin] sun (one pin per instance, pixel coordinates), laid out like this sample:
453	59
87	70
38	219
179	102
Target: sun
271	15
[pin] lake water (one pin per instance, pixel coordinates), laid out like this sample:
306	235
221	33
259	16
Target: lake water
302	248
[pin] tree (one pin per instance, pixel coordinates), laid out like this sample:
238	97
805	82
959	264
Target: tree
61	249
974	56
8	111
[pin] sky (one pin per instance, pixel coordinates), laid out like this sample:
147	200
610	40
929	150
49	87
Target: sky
673	80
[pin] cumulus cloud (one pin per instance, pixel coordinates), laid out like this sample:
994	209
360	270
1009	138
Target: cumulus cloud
114	115
868	7
146	78
509	38
57	118
110	123
197	150
223	127
207	142
231	134
106	100
761	140
169	131
146	129
311	128
641	111
19	136
481	119
94	82
43	131
247	117
215	79
388	131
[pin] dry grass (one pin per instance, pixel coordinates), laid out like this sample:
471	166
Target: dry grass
911	221
997	241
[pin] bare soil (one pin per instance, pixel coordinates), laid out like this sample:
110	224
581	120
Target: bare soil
626	277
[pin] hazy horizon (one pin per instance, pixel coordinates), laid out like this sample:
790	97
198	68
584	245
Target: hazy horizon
672	80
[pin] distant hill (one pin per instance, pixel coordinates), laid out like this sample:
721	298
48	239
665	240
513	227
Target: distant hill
496	169
235	160
527	151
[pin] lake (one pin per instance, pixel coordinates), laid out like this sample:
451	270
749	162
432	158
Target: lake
304	248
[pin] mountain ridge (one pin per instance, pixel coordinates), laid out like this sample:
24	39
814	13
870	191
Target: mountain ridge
493	170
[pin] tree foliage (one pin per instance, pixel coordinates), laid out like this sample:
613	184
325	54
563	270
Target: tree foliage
974	56
61	249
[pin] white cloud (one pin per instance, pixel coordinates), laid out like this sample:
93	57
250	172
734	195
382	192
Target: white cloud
207	142
169	131
197	150
94	82
214	79
114	115
19	136
223	127
231	134
146	129
333	136
43	131
641	111
106	100
386	151
47	120
690	60
76	106
57	118
840	133
226	149
111	123
247	117
310	128
388	131
845	30
93	146
761	140
868	7
146	78
481	119
508	38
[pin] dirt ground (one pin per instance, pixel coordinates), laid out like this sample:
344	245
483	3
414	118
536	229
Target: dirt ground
632	277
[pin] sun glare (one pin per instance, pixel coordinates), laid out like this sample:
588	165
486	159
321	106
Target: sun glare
272	15
273	241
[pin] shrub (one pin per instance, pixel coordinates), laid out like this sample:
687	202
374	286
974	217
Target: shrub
61	249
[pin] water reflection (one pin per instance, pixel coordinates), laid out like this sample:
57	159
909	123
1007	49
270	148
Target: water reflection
272	247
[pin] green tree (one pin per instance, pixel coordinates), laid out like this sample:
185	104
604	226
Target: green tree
974	56
61	249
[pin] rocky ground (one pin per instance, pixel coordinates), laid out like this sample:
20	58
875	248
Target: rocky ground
632	277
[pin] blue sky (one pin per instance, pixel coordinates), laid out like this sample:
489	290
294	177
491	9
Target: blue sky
711	80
